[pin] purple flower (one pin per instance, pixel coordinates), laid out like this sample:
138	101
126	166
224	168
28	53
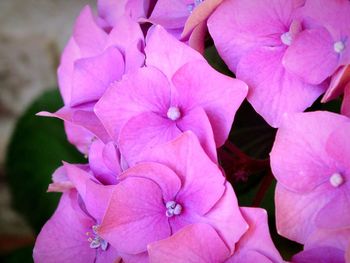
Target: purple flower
310	162
172	186
252	37
71	235
177	91
200	243
323	46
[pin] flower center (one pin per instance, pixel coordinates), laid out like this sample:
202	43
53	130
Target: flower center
286	38
172	208
339	46
336	179
173	113
95	240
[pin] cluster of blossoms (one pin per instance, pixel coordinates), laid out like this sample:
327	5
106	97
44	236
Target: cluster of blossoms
149	112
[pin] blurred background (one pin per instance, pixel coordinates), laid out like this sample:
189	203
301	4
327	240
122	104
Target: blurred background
32	36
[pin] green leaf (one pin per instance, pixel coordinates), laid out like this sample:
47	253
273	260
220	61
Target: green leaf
36	149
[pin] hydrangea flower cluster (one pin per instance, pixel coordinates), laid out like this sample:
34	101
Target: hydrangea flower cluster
149	112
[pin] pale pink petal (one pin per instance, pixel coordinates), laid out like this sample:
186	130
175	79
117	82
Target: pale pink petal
311	56
299	159
79	136
145	131
197	243
90	38
256	243
199	15
145	90
68	226
111	10
320	255
135	216
196	120
273	92
197	84
170	14
238	26
197	38
93	75
296	213
167	53
337	85
111	157
60	181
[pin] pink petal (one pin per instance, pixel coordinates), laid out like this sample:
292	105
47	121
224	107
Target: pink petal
170	14
227	219
60	181
138	258
197	243
239	26
338	238
135	216
196	120
93	75
345	107
256	243
296	213
197	38
199	15
299	159
338	82
78	136
167	53
143	132
68	226
311	56
90	38
200	193
273	91
197	84
142	91
320	255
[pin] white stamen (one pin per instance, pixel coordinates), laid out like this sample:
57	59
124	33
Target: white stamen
173	208
173	113
339	46
286	38
96	241
336	179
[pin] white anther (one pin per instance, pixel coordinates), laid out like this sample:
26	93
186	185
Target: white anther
173	113
173	208
339	46
336	179
287	38
95	240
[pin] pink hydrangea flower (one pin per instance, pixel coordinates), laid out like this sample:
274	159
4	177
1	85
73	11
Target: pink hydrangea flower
91	61
200	243
252	37
323	46
176	91
71	235
172	186
310	162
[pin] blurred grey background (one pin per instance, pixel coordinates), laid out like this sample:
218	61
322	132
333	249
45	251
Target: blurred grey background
32	36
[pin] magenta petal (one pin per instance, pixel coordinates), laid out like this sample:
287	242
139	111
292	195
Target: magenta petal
93	75
200	193
79	136
60	181
273	92
90	38
311	56
320	255
196	120
68	226
170	14
220	96
256	244
111	10
197	243
142	91
337	85
143	132
299	159
167	53
296	213
135	216
345	107
338	238
227	218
